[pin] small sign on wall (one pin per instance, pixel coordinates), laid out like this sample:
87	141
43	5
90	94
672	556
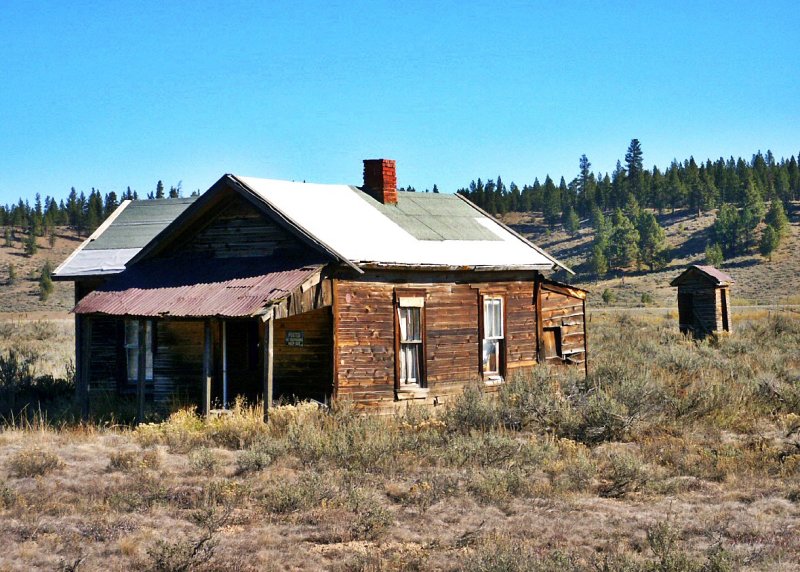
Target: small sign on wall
294	338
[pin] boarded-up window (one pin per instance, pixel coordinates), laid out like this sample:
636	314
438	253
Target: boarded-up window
493	336
551	338
132	349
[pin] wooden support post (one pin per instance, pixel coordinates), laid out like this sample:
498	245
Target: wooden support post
585	343
208	367
84	344
269	335
537	294
141	371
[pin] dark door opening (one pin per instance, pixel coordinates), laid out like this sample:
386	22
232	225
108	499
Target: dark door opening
686	319
238	369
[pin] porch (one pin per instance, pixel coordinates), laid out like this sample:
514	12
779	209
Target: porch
248	333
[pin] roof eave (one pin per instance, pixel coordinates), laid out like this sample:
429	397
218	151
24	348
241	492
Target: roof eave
453	267
98	231
516	234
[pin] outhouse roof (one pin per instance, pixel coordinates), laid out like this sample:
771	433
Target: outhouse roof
709	273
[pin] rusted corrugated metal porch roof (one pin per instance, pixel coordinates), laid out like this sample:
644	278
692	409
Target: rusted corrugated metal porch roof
198	288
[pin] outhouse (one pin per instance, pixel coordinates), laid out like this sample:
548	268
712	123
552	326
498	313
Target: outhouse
703	301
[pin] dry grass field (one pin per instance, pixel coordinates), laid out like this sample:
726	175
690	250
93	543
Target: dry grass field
672	456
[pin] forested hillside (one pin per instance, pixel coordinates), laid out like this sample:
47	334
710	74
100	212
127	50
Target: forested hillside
748	201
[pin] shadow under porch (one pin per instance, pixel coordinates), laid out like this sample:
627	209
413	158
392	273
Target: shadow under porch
208	363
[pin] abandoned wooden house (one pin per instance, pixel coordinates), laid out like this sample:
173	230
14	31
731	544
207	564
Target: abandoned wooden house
703	301
265	289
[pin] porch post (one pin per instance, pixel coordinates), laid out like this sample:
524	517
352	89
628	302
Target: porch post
84	329
141	371
207	367
269	336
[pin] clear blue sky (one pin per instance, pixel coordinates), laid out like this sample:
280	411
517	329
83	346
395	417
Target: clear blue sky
110	94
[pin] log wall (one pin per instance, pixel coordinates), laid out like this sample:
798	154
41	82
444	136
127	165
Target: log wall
365	337
565	314
177	360
306	371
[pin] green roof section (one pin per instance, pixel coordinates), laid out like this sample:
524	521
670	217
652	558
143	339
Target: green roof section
433	216
139	223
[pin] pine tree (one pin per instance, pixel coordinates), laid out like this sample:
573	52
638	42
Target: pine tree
623	249
652	241
727	229
31	247
12	275
598	262
634	162
159	190
777	219
770	240
551	206
714	256
572	223
46	286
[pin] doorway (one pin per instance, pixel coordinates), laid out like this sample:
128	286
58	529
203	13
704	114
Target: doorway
238	368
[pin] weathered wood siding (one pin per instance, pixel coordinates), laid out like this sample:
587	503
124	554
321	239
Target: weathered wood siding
304	371
177	360
104	367
237	229
365	338
566	313
700	308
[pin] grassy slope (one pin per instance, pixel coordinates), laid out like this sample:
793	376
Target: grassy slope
23	295
757	280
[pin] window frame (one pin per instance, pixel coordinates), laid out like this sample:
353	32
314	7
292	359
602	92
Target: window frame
131	347
498	376
410	299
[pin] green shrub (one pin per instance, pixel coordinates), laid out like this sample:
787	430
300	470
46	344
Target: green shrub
204	461
471	410
499	485
625	473
308	491
127	461
33	463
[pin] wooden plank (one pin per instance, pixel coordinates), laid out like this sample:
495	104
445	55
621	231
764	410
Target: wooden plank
141	370
208	366
269	340
84	342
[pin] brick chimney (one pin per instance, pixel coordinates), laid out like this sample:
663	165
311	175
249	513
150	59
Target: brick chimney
380	180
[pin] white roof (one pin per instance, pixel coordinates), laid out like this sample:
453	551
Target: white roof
345	220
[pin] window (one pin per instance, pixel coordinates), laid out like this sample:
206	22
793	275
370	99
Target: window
410	366
552	343
132	349
410	345
493	338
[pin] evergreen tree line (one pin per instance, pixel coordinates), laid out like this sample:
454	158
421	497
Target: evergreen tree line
700	187
84	213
